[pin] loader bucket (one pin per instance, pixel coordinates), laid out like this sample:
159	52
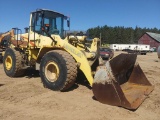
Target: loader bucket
121	82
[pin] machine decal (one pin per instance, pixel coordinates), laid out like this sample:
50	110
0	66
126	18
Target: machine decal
72	50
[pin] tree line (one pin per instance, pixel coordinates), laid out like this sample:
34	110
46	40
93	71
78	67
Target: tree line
118	34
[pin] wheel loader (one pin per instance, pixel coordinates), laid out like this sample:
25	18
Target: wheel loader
4	41
59	59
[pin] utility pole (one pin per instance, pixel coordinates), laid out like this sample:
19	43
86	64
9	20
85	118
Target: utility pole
100	40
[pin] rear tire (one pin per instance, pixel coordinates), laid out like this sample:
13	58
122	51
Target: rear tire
12	63
58	70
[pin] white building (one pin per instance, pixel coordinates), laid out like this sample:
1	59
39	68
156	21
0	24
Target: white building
139	47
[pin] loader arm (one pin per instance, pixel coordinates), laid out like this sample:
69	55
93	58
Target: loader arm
81	60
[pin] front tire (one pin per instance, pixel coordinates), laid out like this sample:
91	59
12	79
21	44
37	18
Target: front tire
58	70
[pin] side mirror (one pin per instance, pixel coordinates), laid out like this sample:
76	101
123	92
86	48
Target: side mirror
68	23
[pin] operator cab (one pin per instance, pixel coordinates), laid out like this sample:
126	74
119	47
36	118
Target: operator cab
52	21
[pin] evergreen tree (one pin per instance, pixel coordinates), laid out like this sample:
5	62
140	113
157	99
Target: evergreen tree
119	35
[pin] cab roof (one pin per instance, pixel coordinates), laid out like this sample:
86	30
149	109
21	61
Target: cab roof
38	10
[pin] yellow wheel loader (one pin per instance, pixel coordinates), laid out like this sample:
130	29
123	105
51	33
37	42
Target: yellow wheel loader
59	59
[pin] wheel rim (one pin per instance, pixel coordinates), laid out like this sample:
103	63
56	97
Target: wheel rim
52	71
8	62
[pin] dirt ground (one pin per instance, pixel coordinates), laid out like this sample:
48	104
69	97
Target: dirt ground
26	99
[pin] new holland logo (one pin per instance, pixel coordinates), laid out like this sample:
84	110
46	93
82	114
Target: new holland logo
73	50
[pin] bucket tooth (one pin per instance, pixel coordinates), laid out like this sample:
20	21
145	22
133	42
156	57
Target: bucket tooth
122	85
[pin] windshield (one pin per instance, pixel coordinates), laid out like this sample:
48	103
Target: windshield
54	20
